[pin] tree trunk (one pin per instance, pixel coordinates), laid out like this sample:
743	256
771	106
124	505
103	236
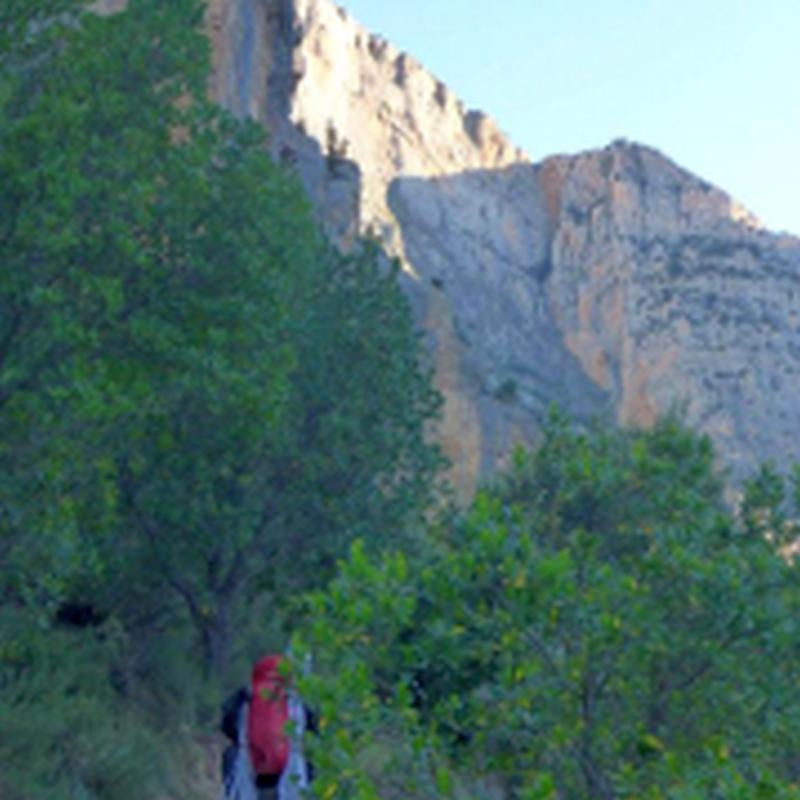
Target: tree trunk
215	632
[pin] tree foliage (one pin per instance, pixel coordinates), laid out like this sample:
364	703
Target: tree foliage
201	400
596	626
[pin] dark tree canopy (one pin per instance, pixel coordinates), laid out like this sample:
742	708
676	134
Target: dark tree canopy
202	401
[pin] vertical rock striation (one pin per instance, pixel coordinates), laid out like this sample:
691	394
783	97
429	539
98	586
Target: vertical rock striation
613	281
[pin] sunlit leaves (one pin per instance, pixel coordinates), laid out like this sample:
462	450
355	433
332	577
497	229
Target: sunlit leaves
597	625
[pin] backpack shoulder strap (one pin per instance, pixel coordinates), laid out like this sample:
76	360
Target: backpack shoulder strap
231	711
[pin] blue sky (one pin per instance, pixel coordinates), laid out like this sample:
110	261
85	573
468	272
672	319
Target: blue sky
714	84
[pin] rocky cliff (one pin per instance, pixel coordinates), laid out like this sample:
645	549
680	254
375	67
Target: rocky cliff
613	281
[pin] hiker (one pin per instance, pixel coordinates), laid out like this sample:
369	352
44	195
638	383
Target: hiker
262	761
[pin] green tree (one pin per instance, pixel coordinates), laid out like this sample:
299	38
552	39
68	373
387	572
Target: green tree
115	316
226	400
596	626
201	400
86	121
356	458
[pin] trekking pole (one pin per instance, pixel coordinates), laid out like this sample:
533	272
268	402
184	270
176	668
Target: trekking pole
295	779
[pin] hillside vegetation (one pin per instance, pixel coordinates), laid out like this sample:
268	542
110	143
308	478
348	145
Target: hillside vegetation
214	438
596	625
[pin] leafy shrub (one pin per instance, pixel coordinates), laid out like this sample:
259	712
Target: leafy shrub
66	730
596	626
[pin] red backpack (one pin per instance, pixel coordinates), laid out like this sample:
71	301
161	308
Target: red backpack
267	718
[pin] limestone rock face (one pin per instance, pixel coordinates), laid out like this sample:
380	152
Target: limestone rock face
612	282
668	292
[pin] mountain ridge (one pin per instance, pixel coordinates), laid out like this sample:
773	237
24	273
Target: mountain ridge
613	281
